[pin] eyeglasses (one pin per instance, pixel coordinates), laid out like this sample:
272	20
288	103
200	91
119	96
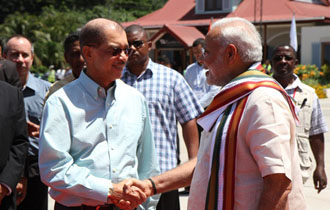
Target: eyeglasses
137	44
115	51
280	57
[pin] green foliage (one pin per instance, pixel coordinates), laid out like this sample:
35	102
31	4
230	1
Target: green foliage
317	78
47	22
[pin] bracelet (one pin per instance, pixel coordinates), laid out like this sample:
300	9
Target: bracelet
153	186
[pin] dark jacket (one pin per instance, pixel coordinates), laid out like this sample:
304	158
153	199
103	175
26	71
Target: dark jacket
13	140
8	73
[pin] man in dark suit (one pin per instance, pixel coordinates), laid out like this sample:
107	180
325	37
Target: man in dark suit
13	141
8	73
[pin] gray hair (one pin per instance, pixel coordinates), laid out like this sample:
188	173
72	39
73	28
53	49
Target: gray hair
17	36
243	35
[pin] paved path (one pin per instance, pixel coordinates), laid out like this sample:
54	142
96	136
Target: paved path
314	201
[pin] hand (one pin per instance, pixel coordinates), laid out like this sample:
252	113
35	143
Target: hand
33	129
320	179
21	188
127	199
143	185
3	192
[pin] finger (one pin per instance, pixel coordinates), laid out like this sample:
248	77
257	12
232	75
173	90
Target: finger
124	204
136	183
35	134
142	195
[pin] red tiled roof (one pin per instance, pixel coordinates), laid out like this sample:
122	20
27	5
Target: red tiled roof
174	12
185	34
182	12
282	11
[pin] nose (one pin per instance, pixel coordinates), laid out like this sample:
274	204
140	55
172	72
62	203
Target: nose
283	59
123	56
19	58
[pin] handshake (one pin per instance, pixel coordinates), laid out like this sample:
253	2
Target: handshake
130	193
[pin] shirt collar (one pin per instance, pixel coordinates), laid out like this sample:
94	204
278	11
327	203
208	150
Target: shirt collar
296	83
94	89
32	82
149	70
255	65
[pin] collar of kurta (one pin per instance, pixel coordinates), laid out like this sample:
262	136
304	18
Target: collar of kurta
237	89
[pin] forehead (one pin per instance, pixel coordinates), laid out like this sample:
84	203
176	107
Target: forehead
115	37
284	50
137	35
19	44
197	48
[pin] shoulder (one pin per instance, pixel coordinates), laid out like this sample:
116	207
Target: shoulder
128	90
266	95
5	87
192	67
8	91
307	88
43	84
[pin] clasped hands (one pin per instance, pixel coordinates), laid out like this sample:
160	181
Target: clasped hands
130	193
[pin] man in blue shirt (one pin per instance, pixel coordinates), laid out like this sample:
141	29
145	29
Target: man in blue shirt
20	50
196	77
96	130
170	99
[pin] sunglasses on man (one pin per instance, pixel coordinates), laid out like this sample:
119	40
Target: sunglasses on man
115	51
137	44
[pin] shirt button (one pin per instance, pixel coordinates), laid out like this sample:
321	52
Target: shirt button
114	170
110	126
112	148
108	104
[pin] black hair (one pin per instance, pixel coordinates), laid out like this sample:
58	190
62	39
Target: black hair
199	41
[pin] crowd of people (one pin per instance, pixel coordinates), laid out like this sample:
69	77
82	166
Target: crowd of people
105	136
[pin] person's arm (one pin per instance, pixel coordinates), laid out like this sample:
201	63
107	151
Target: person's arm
10	174
319	176
191	137
178	177
274	196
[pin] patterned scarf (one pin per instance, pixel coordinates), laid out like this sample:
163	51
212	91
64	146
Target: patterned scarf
229	106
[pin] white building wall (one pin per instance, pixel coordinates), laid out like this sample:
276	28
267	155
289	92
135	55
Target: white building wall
311	39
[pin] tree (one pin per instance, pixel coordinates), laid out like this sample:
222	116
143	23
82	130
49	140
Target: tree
47	26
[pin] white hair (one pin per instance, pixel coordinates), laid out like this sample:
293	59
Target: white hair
243	35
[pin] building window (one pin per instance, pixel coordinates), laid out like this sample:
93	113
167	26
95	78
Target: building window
326	53
213	5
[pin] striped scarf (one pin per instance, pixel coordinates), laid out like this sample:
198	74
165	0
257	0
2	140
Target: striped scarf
229	106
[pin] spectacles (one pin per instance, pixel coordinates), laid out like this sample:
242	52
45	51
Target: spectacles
115	51
137	44
280	57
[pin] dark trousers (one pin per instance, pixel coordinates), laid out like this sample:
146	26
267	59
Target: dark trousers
36	195
169	201
59	206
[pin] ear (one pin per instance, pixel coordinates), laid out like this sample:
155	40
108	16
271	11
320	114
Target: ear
231	53
149	44
296	62
87	53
